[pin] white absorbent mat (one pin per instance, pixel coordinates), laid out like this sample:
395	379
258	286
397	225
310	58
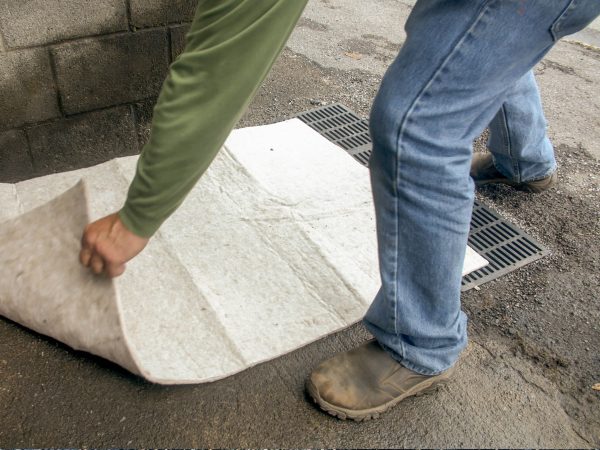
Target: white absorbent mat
273	249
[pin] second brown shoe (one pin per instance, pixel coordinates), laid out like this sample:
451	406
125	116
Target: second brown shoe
365	382
484	172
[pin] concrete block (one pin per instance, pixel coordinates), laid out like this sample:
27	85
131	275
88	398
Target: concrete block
148	13
143	115
9	201
27	92
178	39
123	68
34	22
15	162
83	141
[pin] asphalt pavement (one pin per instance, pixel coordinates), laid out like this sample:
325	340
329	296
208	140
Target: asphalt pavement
526	378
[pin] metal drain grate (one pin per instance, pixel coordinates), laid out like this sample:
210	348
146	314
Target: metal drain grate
504	245
342	127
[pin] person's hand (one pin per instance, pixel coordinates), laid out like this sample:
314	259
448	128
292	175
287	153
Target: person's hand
107	245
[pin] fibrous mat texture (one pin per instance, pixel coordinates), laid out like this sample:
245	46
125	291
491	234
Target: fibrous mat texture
274	248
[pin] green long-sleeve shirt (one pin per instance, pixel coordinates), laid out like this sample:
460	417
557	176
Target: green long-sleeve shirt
231	46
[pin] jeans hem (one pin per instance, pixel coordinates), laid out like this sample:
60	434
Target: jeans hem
549	173
402	361
421	371
409	365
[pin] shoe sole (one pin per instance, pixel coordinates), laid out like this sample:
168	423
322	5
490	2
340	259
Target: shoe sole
531	187
361	415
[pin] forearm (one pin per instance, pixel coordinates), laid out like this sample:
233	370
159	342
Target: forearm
230	48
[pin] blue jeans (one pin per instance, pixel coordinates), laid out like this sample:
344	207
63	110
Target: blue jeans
465	64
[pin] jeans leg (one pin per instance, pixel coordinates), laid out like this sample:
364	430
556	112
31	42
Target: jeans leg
518	140
451	77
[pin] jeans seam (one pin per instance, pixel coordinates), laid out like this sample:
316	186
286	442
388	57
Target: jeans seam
396	238
515	163
506	144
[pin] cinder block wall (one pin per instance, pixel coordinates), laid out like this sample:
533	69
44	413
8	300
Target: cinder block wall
79	79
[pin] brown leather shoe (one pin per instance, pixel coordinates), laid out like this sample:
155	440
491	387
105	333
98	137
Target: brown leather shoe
365	382
484	172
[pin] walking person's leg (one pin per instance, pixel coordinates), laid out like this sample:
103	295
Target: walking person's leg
521	154
452	75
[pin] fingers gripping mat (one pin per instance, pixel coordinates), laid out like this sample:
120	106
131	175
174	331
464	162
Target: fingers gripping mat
273	249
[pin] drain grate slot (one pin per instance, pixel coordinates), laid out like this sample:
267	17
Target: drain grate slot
504	245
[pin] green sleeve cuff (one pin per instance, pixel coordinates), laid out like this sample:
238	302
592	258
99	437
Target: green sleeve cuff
137	225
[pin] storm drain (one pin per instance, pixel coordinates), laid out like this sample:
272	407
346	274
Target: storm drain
342	127
504	245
